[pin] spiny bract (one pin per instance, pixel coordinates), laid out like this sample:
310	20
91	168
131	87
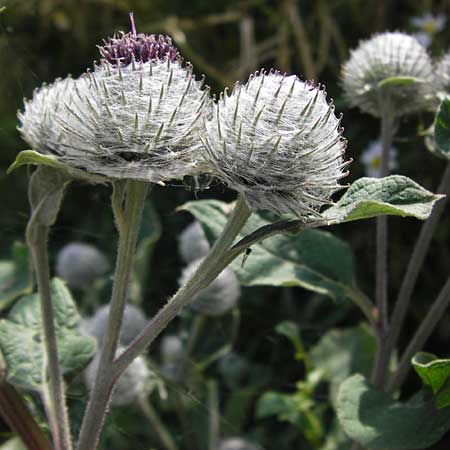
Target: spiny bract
136	120
442	74
385	56
277	141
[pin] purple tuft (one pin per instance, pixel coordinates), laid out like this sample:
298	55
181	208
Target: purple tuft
143	47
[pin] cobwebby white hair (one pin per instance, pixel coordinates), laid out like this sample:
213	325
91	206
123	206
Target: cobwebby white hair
277	141
385	56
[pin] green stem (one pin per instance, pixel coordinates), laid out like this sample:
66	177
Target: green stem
129	224
208	270
214	415
157	424
422	334
37	236
381	294
416	262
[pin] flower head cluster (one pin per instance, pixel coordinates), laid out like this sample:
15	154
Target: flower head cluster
277	141
136	116
380	58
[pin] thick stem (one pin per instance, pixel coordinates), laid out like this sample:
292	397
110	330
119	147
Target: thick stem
416	262
94	417
15	413
381	292
37	235
422	334
208	270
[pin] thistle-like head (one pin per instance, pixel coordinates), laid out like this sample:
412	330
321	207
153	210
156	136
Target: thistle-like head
368	76
277	141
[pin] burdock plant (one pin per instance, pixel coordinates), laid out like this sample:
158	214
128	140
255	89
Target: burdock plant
140	118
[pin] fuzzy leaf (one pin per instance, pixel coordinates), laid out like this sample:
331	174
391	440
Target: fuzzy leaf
313	259
397	82
434	373
21	339
442	130
370	197
15	276
38	159
378	422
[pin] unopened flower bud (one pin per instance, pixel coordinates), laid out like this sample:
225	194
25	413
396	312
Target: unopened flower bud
192	243
237	443
277	141
79	264
385	56
442	74
133	323
171	349
219	297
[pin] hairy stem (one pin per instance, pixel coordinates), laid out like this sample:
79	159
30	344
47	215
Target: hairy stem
129	224
207	271
381	292
422	334
37	236
416	262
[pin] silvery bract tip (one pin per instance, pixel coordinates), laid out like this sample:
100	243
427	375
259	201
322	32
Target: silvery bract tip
277	141
192	243
79	264
385	56
219	297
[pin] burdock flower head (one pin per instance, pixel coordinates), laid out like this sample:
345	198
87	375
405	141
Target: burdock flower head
442	74
136	116
391	69
277	141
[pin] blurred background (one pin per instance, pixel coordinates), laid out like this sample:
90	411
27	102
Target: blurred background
41	40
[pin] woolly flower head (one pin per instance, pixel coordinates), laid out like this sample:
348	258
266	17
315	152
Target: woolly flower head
382	57
371	159
192	243
137	380
277	141
237	443
442	74
80	264
136	116
219	297
133	323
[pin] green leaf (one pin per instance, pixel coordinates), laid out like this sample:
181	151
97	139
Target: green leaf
342	352
378	422
370	197
16	278
291	330
397	82
442	130
26	157
434	373
21	339
313	259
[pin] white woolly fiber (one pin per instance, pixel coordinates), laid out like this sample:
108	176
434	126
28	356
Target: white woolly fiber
277	141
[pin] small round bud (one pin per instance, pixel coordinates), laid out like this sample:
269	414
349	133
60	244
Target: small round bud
79	264
134	381
192	243
172	349
277	141
133	323
237	443
385	56
219	297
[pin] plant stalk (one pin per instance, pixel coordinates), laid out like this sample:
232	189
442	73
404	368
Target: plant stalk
416	262
129	225
422	334
381	292
208	270
37	235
